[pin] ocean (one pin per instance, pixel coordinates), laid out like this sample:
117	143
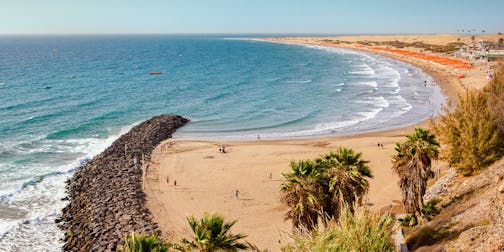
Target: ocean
64	99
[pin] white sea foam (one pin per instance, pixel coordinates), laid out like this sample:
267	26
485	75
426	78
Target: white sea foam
88	147
368	83
364	69
329	126
379	101
40	197
388	72
299	81
370	114
401	104
394	83
336	50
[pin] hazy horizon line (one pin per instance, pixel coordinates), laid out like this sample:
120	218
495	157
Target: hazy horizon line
238	33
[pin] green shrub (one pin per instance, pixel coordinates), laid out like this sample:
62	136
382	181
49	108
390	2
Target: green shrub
360	232
144	243
426	236
473	131
470	134
213	233
430	210
495	93
408	221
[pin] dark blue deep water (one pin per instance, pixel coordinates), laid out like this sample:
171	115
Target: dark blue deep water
65	99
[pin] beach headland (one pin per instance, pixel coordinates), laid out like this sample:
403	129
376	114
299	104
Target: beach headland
207	179
106	198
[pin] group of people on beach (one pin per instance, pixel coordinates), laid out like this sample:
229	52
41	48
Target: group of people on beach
380	145
168	181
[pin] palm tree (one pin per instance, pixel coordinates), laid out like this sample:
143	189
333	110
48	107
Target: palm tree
143	243
299	194
323	187
212	233
346	182
412	163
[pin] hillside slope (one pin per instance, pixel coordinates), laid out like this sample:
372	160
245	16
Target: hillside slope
472	215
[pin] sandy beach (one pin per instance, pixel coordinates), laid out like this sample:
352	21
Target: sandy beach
207	180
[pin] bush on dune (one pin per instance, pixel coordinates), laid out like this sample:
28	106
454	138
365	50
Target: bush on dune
144	243
213	233
495	93
360	232
473	132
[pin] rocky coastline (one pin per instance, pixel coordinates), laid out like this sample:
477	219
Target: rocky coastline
105	194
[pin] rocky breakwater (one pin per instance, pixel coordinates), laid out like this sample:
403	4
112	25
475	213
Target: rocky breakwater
106	198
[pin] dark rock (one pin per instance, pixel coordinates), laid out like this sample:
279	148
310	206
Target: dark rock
106	198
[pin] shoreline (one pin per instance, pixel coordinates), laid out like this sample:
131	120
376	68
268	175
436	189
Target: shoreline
384	131
207	179
449	85
447	92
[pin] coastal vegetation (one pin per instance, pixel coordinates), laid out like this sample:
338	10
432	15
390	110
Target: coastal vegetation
473	131
144	243
317	190
470	215
361	231
472	134
212	233
412	162
448	48
495	92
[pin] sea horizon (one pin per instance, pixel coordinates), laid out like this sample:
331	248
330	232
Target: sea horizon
244	34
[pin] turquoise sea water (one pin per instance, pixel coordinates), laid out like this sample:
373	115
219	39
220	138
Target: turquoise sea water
65	99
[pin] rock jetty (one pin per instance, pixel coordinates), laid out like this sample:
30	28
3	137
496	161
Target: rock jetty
106	198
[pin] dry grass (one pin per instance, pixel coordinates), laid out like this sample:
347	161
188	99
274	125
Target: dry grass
473	132
362	232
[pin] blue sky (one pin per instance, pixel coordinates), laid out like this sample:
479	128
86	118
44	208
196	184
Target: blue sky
248	16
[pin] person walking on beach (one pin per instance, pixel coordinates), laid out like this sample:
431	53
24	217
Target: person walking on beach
237	193
175	183
167	179
223	148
